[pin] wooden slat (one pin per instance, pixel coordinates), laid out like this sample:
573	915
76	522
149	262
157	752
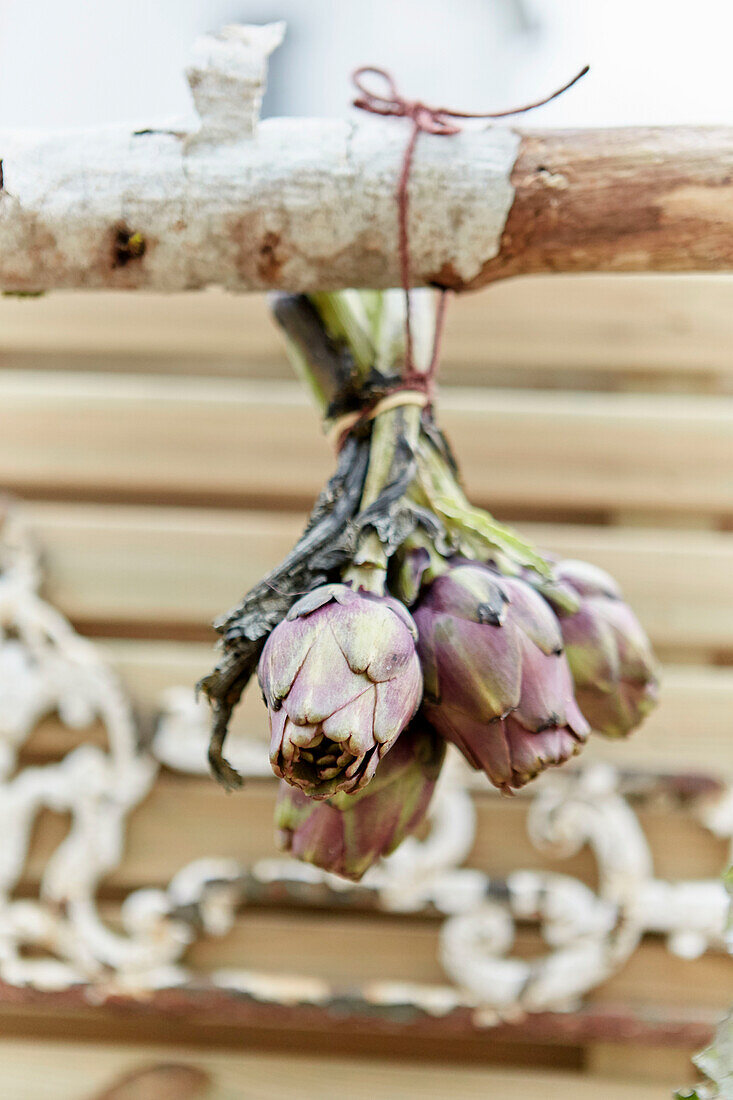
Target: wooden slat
170	571
622	326
186	818
221	440
182	567
348	1025
640	1063
69	1070
370	949
619	327
690	729
210	325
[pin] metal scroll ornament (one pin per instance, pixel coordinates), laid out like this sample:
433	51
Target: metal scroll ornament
53	934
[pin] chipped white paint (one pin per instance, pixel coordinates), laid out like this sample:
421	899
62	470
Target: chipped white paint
304	204
286	989
45	667
436	1000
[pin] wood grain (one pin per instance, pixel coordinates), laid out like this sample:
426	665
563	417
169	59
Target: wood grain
176	569
627	199
33	1067
599	331
186	818
222	441
641	1064
690	729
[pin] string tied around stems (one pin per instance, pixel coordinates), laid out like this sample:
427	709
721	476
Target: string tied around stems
443	122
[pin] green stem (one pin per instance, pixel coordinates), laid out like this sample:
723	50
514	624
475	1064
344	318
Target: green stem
335	341
479	533
346	320
369	568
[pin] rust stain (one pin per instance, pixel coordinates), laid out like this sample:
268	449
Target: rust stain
168	1012
259	254
269	261
447	278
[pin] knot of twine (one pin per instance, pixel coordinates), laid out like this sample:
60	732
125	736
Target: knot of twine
443	122
429	120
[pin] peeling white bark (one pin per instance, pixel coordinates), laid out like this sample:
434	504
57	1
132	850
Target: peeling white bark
305	204
296	203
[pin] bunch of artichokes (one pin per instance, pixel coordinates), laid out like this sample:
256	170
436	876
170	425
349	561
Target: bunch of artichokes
406	618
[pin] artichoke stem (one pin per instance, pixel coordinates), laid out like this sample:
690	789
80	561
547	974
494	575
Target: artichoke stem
369	567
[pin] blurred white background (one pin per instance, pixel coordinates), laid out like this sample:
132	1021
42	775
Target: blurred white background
85	62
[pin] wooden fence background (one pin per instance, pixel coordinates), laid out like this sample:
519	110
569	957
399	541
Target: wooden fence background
168	459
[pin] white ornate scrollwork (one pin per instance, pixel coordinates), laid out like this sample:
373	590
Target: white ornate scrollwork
46	668
591	935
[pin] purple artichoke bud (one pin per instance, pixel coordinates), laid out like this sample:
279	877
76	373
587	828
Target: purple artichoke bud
347	833
341	679
497	683
608	652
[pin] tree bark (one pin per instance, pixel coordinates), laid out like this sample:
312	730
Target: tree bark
309	204
646	199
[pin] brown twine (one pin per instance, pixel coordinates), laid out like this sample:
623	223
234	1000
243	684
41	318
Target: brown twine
441	121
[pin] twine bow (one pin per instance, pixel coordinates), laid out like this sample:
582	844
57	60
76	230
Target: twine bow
432	120
428	120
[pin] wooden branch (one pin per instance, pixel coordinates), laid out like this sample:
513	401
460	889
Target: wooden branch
305	204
